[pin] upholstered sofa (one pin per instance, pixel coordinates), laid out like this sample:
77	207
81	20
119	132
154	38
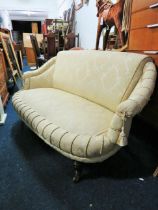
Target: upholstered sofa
81	103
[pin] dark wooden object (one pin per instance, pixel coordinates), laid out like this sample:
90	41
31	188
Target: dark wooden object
51	45
39	58
77	167
70	41
30	55
113	18
11	58
3	79
18	50
143	39
144	28
5	31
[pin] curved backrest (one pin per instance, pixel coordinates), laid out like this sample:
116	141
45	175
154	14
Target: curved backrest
104	77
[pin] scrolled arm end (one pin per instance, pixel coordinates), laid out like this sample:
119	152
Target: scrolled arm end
141	93
41	77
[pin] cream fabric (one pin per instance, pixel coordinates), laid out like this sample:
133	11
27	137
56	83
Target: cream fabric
141	93
100	76
68	106
42	77
68	111
74	139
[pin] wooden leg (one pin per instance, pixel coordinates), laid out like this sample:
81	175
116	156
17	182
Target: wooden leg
99	30
155	172
77	167
105	38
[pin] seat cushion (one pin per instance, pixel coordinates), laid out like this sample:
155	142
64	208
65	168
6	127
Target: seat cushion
70	112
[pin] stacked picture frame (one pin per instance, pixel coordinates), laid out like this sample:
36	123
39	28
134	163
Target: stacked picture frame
14	68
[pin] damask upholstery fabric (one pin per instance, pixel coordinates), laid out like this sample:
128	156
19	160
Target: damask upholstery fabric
68	111
43	77
98	76
81	108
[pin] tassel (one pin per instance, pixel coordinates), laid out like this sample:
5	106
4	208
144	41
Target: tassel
122	140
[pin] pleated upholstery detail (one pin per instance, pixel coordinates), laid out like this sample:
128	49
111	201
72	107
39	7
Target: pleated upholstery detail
82	146
56	136
67	142
95	142
48	131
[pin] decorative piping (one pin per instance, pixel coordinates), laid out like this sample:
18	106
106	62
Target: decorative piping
23	108
62	137
52	133
38	124
45	128
25	112
88	145
34	119
73	143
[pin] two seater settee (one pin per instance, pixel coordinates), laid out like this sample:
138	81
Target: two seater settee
81	103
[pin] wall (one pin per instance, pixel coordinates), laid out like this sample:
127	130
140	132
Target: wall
86	22
41	5
86	25
63	5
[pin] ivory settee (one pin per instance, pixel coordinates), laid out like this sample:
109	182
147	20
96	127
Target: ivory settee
81	103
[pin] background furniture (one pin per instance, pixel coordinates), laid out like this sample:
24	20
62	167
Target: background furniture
143	39
40	60
5	31
2	114
106	98
71	40
3	79
144	28
14	68
59	27
49	45
19	53
31	59
34	27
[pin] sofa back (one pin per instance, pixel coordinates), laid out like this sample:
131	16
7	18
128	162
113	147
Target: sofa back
104	77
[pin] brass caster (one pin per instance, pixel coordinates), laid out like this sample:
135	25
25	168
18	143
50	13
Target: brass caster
76	177
77	167
155	174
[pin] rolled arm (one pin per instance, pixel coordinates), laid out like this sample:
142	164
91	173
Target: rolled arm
121	122
141	93
42	77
